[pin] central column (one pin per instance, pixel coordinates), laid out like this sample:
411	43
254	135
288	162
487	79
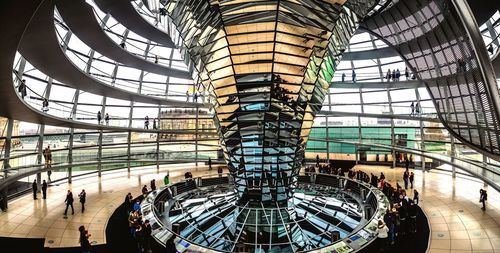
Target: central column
267	66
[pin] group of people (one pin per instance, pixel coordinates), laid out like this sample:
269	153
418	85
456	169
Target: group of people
416	109
353	75
195	96
146	123
82	196
139	229
99	118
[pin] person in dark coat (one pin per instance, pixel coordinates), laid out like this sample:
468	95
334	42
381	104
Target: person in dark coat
170	245
83	198
209	163
69	202
153	185
412	178
146	233
84	240
44	190
35	189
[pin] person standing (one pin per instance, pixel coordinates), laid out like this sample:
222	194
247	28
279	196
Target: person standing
353	76
166	179
45	105
343	77
209	163
83	198
22	88
49	156
146	233
388	75
154	124
407	75
35	189
106	119
84	239
382	235
412	107
417	109
415	196
220	171
44	190
406	176
153	185
46	155
69	202
146	122
99	117
412	177
483	197
49	172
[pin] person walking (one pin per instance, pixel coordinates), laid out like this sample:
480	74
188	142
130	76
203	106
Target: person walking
44	190
483	197
154	124
106	119
398	75
35	189
382	234
146	122
353	76
417	109
412	107
412	177
49	172
46	155
69	202
388	75
99	117
83	198
84	240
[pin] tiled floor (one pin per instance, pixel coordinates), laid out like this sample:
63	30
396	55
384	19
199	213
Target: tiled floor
44	218
457	222
452	207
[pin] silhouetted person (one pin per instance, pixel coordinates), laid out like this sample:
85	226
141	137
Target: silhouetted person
483	197
84	240
407	74
353	76
209	163
412	177
83	198
146	122
156	59
343	77
22	88
406	176
99	117
35	189
122	45
49	172
170	245
106	119
153	185
45	105
154	124
416	196
146	233
220	171
69	202
412	107
44	190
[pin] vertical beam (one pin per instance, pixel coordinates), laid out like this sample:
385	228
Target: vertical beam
422	133
453	153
